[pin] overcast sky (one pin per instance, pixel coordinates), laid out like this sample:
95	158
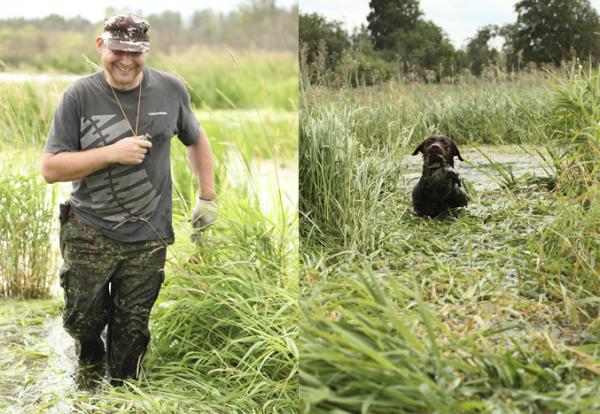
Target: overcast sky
94	9
460	19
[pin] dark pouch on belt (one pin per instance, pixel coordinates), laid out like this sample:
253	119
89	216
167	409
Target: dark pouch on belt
65	210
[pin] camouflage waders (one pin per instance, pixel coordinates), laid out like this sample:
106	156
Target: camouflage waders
108	282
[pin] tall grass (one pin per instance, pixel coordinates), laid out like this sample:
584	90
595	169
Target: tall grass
344	186
230	79
26	111
569	246
27	220
486	113
225	323
494	310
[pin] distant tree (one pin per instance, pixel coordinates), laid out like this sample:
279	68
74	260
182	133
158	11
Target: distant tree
317	33
361	41
167	30
400	34
479	52
550	31
389	17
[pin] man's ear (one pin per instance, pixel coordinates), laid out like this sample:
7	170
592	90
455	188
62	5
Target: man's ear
456	152
420	148
99	44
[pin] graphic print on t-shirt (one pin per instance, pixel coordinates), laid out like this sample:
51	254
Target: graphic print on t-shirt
118	191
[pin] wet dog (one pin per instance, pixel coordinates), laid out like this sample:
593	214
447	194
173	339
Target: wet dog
440	187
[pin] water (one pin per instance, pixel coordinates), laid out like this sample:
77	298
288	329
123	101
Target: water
479	171
56	384
273	182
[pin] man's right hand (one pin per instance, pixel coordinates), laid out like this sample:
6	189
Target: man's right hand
130	150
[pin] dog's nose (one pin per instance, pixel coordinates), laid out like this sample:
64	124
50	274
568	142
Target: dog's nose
437	148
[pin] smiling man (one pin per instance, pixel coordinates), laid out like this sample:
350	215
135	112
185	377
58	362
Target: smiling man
111	137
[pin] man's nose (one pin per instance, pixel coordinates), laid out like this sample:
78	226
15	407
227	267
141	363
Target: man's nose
126	58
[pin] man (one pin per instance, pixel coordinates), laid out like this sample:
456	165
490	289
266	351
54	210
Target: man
111	136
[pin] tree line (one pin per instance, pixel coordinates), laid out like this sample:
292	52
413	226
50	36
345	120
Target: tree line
399	41
56	42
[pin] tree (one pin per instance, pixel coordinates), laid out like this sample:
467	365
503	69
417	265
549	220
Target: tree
316	33
400	34
478	50
388	17
550	31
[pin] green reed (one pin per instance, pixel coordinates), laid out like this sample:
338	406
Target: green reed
493	309
28	225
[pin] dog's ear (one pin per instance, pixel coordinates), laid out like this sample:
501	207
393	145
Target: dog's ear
456	152
420	148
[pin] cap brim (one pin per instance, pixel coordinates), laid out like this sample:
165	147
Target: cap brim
127	46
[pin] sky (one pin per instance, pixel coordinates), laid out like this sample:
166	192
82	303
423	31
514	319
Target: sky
460	19
93	10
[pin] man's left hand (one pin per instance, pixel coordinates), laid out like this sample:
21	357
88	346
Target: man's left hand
203	215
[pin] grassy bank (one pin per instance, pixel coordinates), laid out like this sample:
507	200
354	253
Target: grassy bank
493	310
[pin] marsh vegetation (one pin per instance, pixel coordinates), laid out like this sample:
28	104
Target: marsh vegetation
225	322
492	309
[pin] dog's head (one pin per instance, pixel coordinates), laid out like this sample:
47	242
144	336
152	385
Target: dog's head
438	146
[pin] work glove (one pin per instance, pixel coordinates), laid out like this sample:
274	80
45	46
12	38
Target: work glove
203	215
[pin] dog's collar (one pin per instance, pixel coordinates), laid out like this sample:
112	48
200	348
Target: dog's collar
435	165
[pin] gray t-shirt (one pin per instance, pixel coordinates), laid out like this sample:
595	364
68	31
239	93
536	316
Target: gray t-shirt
110	199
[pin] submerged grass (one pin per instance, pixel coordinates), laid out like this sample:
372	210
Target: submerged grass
21	362
494	309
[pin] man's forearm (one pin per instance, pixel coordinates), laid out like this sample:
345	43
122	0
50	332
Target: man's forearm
69	166
200	156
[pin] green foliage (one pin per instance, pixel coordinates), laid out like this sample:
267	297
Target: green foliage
252	80
235	79
478	51
27	265
390	19
545	34
322	42
574	129
400	34
494	309
26	113
359	69
555	31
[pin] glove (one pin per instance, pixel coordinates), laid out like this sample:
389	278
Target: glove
203	215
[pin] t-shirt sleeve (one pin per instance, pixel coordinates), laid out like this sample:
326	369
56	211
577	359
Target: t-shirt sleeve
64	131
188	128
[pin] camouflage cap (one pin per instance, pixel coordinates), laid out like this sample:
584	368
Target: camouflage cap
126	32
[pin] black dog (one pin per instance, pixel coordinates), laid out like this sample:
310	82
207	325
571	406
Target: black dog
440	187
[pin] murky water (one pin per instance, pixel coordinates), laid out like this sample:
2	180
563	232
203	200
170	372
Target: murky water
57	382
38	362
480	172
274	182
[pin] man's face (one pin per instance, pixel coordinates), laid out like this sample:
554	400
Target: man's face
123	68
